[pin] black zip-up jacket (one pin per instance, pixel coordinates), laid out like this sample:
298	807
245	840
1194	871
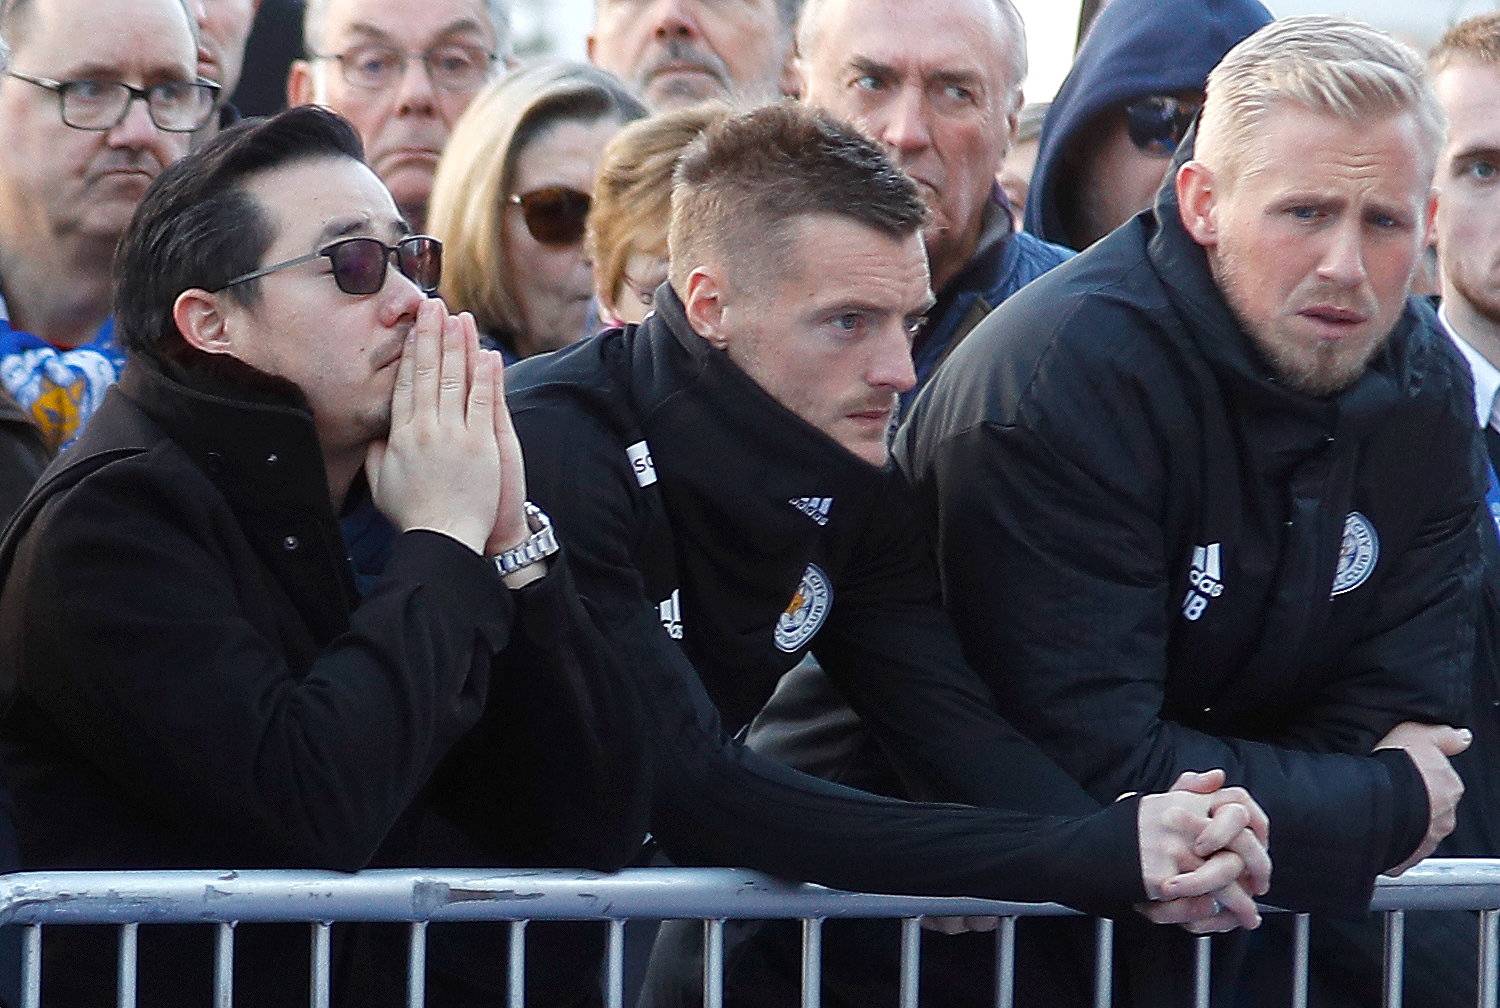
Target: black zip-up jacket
718	537
1160	558
191	681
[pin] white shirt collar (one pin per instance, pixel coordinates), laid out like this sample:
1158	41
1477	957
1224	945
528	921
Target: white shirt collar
1486	376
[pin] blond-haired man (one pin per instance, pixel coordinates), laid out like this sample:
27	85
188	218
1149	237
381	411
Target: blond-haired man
1173	482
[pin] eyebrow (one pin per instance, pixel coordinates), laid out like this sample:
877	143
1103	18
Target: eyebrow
928	303
459	27
103	71
1477	151
865	65
358	225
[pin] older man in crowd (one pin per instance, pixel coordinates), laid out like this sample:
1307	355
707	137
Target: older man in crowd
98	98
402	71
676	52
1172	482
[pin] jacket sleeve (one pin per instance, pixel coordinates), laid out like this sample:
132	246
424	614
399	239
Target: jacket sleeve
715	802
149	654
892	652
1057	583
23	456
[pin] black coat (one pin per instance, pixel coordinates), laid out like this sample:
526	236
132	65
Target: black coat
193	681
1162	559
23	455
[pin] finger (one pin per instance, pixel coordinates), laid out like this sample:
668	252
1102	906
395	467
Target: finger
428	337
981	925
1259	823
374	456
402	402
453	380
1219	923
1212	875
1452	741
1205	782
1227	822
1234	900
1257	862
480	410
1177	911
944	925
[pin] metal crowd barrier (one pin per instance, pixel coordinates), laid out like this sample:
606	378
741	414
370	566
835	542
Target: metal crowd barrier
35	900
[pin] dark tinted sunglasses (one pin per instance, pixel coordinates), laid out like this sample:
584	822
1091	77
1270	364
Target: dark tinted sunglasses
554	215
359	264
1158	123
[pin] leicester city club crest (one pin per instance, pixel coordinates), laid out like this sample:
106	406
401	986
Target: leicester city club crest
806	611
1358	554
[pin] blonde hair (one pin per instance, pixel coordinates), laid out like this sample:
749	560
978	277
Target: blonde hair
1328	65
632	205
1477	39
478	168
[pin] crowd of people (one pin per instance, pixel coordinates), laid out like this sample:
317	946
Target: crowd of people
733	451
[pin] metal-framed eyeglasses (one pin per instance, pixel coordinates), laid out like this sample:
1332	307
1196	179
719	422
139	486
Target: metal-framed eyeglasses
99	105
359	264
450	66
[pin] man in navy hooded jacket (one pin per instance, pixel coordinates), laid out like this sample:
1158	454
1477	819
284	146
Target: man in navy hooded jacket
1136	84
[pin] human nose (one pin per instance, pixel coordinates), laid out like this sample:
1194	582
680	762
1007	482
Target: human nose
674	20
891	365
1343	262
135	128
904	128
414	88
400	298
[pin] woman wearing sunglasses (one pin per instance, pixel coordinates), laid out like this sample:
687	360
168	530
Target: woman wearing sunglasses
510	200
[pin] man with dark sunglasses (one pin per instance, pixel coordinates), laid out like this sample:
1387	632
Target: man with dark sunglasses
1135	86
97	99
192	673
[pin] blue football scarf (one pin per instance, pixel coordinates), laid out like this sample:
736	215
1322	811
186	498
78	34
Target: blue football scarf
59	389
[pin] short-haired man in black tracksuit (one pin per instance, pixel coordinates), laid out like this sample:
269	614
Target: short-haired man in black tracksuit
1206	494
719	474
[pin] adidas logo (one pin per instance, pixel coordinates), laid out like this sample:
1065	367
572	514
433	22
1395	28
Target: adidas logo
1205	580
816	508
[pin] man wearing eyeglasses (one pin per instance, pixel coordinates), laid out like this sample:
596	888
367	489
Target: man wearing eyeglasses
402	71
1135	86
194	675
97	99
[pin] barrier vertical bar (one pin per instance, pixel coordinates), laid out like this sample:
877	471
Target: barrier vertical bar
1489	944
416	965
1202	970
713	964
322	937
1005	963
1395	959
911	961
614	966
224	966
1301	933
516	980
1104	955
812	963
125	971
31	966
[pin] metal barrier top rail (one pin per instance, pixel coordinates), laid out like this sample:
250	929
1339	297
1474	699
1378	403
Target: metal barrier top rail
512	894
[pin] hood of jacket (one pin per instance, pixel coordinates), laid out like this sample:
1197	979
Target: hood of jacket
1133	49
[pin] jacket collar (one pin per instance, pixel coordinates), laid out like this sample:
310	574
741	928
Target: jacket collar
259	445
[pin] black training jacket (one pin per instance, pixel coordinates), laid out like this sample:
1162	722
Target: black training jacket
718	537
1162	559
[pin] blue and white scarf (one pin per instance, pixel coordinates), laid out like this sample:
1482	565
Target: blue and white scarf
58	389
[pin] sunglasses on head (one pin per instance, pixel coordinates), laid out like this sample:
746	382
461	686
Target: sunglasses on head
555	215
1157	123
359	264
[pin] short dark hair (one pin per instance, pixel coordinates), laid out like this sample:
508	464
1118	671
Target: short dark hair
198	227
741	184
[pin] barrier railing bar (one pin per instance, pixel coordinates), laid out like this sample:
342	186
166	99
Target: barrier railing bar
416	965
1489	945
911	961
1202	970
713	963
224	966
322	939
1104	957
1301	933
31	967
614	966
516	980
125	973
1005	963
1395	959
812	963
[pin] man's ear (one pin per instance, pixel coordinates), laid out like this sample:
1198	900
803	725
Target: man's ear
590	46
703	303
299	83
200	320
1429	230
1197	200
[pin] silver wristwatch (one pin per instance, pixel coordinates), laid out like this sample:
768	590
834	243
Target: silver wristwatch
537	546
